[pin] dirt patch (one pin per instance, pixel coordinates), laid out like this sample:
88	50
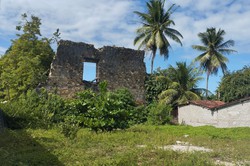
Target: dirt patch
180	146
186	148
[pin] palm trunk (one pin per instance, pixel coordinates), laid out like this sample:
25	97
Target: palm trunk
208	73
152	61
152	65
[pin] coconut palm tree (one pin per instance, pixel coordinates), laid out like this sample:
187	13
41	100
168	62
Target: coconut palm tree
183	86
155	29
213	49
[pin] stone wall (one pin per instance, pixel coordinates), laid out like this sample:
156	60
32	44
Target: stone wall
120	67
237	115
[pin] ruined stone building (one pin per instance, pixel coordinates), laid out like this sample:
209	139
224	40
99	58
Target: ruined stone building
120	67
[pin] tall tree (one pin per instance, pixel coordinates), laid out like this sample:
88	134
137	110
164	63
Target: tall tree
27	61
155	29
235	85
183	86
213	49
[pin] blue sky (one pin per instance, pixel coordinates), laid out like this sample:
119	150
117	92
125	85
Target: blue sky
112	22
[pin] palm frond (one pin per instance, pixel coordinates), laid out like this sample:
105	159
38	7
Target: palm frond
204	38
144	29
163	44
138	38
202	91
167	24
146	19
227	44
226	51
199	48
191	95
223	68
170	9
221	60
159	38
154	22
168	96
173	34
201	57
220	32
144	41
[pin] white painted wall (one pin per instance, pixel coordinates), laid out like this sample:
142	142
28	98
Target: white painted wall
233	116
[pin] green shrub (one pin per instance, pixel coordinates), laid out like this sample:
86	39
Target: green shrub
69	127
235	85
36	109
103	111
139	115
159	113
155	84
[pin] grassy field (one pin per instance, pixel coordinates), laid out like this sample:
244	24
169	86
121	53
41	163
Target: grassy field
49	147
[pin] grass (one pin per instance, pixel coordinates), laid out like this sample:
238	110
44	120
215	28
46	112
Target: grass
50	147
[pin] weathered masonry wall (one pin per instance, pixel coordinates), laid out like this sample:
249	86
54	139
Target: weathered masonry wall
120	67
237	115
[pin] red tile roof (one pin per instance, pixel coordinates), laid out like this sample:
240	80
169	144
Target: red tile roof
207	103
215	105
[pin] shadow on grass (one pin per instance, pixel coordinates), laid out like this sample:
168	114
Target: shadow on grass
18	148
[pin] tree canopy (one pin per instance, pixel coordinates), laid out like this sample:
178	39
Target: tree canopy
235	85
155	29
26	63
174	85
182	88
213	48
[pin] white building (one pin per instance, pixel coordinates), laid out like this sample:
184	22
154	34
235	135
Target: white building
215	113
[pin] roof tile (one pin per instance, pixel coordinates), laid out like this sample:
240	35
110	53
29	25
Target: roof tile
207	103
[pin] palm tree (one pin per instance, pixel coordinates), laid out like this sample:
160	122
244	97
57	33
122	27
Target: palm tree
155	29
213	49
183	86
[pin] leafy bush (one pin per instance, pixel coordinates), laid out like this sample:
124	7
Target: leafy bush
154	85
235	85
34	109
139	115
69	127
26	63
103	111
159	113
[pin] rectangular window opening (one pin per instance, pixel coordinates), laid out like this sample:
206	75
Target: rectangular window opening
90	71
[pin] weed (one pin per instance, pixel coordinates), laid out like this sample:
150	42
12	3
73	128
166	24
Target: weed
120	147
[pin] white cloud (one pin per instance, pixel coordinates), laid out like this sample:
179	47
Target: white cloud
2	50
195	16
112	22
98	22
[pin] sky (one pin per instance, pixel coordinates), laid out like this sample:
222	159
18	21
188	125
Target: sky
112	22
